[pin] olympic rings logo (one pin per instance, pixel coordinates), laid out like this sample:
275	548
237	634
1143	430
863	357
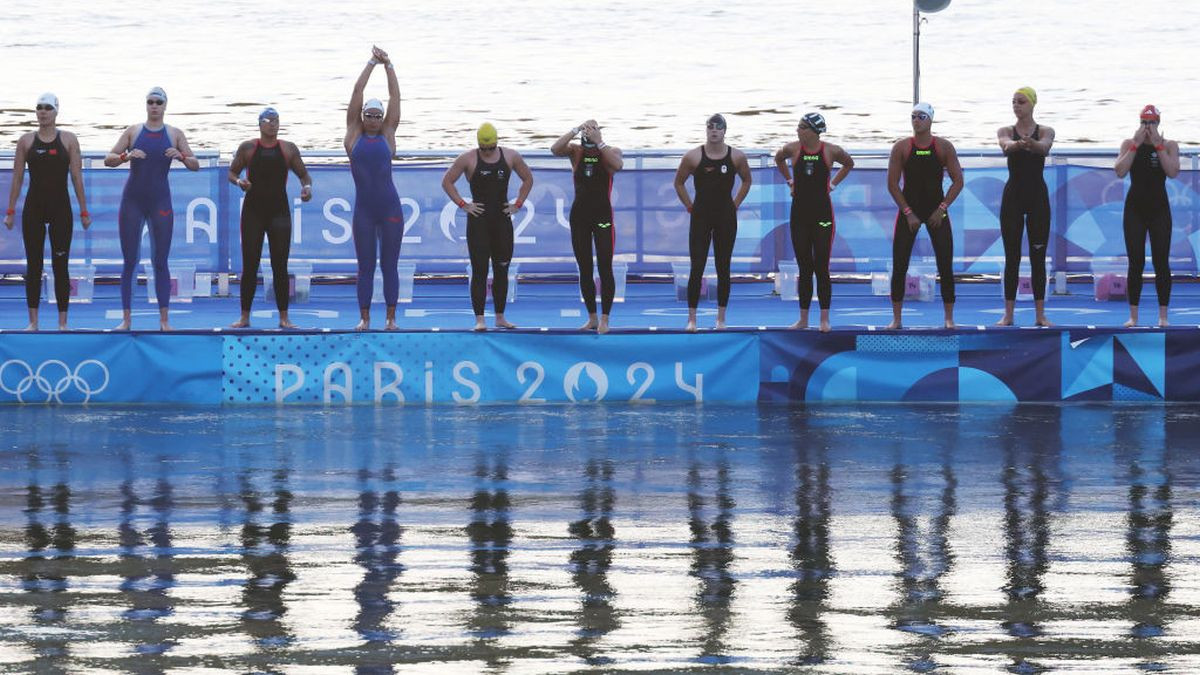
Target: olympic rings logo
53	378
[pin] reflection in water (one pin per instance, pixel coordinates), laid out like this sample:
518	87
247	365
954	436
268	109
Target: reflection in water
1031	439
50	539
710	520
811	555
592	559
924	554
147	557
265	538
1080	517
490	534
1148	525
377	549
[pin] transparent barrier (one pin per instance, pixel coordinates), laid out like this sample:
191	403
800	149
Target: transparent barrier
651	227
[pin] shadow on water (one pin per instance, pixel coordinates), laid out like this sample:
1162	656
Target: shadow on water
591	560
138	544
922	491
377	535
491	535
710	520
811	553
266	534
50	539
147	559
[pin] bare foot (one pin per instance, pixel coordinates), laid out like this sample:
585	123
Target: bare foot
602	327
949	324
31	328
480	326
363	325
691	326
1043	322
1130	323
63	328
240	323
824	326
720	325
895	325
800	324
391	325
286	323
590	325
124	325
164	326
1162	323
505	324
1005	320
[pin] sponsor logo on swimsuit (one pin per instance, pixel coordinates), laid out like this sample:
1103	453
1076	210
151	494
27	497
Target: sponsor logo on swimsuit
604	226
41	151
53	151
164	213
500	174
51	379
485	172
724	169
923	153
825	223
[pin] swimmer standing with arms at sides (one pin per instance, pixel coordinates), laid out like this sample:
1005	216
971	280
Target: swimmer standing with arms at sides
267	211
1025	205
378	224
1150	160
489	216
812	223
51	154
149	148
593	163
712	167
922	161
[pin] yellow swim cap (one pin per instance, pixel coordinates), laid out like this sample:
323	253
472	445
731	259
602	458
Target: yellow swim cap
487	134
1029	94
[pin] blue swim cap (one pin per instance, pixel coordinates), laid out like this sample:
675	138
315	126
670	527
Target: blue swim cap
815	121
268	112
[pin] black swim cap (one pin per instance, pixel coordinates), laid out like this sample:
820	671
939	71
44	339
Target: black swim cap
717	121
815	121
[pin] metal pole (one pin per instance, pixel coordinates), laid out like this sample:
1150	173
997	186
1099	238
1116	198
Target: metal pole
916	54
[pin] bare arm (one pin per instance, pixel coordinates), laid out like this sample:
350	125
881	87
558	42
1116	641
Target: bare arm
1169	158
743	170
526	176
76	168
894	171
950	159
782	155
119	153
563	147
239	164
1125	157
182	151
354	108
1005	137
451	176
18	176
687	166
843	158
296	164
1042	145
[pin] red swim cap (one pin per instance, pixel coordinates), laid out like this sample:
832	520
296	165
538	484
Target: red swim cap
1150	113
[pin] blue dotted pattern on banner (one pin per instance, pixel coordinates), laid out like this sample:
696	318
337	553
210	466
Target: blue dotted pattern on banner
907	343
249	363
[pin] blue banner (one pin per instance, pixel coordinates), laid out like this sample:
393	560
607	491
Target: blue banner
470	368
107	368
651	226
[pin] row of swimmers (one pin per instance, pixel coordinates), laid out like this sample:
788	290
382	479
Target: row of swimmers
917	168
